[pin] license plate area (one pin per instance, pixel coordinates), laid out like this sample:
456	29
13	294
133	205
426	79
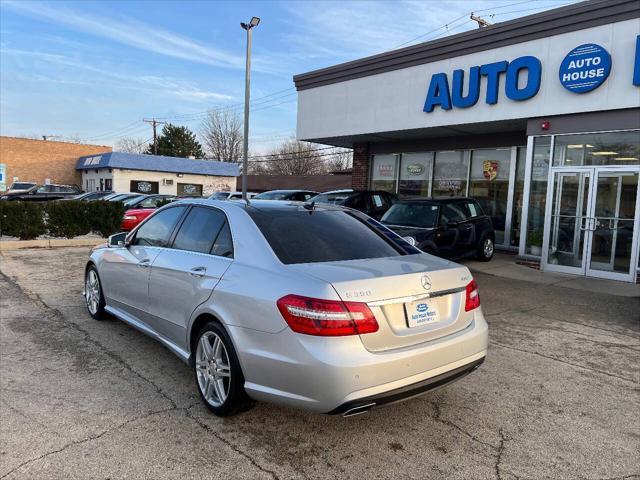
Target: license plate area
422	312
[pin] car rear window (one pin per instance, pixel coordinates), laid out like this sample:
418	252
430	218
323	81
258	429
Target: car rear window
303	236
332	198
421	215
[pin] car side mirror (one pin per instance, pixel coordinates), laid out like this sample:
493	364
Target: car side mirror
118	240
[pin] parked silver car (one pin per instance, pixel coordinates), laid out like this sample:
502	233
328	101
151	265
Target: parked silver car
313	306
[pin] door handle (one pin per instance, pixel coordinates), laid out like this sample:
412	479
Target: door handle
198	271
144	262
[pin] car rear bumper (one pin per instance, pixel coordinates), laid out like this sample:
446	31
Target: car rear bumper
331	375
361	405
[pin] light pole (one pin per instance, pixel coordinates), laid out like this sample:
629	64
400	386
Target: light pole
247	93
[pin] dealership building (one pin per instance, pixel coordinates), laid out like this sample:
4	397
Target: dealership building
537	118
128	172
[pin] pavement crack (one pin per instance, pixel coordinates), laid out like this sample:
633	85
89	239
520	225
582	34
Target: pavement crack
499	454
53	313
438	418
233	447
549	357
85	440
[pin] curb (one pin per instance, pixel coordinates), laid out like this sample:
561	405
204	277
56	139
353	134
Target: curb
50	243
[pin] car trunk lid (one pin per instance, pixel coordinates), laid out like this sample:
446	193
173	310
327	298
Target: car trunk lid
415	298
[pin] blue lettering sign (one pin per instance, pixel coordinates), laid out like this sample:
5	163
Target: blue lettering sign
636	66
473	89
585	68
534	73
438	93
492	71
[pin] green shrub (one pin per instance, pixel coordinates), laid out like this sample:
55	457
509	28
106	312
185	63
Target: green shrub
67	219
24	220
105	217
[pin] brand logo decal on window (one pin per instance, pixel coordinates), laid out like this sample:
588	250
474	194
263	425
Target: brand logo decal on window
415	169
490	169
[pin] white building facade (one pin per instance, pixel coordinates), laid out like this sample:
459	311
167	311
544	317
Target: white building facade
122	172
537	118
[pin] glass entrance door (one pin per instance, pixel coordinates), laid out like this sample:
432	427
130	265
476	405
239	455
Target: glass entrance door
613	226
593	223
569	213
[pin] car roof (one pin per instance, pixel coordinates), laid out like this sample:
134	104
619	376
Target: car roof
287	191
260	205
439	200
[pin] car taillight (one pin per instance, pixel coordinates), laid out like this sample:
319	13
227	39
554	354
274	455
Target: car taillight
326	318
472	300
130	217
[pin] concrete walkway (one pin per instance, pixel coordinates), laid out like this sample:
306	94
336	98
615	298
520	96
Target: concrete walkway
504	265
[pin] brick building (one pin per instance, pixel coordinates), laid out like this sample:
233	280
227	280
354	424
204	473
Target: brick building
40	161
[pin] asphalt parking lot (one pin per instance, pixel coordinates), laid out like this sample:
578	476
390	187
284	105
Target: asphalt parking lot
558	397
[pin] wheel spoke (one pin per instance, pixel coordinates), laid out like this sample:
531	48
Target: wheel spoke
223	370
217	347
206	347
218	384
209	388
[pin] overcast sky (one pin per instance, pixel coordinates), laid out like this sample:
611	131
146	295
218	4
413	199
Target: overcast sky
93	70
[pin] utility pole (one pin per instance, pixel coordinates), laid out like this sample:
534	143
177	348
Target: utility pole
247	93
481	21
155	123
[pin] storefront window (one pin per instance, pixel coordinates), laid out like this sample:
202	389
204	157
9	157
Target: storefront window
415	171
611	148
384	175
538	195
490	185
450	174
518	196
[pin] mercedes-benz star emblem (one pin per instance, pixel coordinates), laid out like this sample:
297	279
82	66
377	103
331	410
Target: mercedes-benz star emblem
426	282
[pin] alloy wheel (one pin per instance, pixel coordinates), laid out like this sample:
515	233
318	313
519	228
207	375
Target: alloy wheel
92	291
213	368
488	248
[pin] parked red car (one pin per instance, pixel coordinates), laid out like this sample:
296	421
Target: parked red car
140	208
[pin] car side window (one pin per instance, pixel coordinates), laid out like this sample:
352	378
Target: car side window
452	212
223	246
199	230
357	201
156	231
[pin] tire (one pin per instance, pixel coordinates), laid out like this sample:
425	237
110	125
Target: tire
93	296
217	372
486	249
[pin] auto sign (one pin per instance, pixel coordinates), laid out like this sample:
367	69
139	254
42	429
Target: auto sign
585	68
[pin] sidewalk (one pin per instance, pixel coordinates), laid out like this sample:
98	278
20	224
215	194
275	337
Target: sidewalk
503	265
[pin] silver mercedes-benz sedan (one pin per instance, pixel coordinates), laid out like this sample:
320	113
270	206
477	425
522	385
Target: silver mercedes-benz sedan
312	306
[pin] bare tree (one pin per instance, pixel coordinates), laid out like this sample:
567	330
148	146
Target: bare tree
293	157
339	159
221	133
131	145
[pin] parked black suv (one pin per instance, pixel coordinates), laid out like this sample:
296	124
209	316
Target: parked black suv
372	202
447	227
43	193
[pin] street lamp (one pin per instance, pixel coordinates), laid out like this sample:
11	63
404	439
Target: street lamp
247	93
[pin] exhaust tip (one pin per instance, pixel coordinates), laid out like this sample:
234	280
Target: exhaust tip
359	410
